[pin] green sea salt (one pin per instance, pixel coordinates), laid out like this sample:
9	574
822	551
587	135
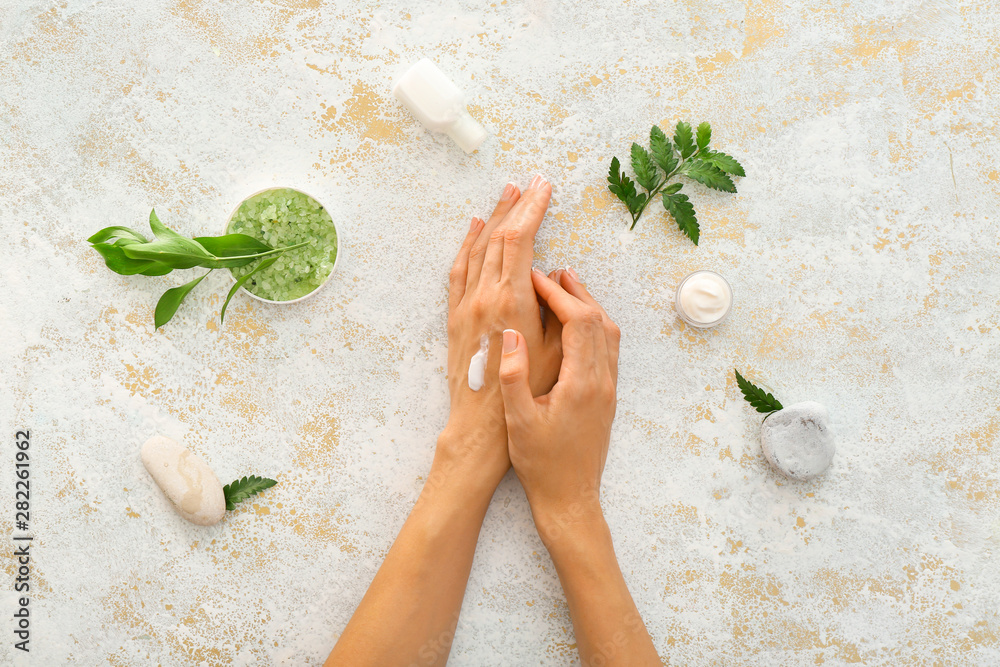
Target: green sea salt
284	217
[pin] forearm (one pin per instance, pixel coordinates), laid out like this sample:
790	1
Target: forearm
409	614
609	630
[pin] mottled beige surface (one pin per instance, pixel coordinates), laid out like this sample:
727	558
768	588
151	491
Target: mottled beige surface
862	247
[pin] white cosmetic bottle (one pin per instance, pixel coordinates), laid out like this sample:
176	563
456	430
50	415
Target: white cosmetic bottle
438	104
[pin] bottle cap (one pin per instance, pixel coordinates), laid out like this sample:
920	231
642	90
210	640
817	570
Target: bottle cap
467	133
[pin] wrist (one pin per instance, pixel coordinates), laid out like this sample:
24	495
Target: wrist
472	460
571	523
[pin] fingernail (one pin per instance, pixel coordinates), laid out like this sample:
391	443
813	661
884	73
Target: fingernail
572	273
537	270
537	182
508	192
473	224
509	341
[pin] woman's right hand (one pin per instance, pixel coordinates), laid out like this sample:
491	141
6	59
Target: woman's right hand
558	442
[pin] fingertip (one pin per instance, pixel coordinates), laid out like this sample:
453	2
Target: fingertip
511	341
510	191
537	277
565	280
539	182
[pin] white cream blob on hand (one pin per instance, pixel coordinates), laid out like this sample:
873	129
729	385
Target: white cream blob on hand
187	481
438	104
477	367
703	299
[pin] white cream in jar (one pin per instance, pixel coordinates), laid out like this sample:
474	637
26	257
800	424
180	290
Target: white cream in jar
704	299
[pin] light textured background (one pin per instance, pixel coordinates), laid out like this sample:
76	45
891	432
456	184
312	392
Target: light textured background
862	246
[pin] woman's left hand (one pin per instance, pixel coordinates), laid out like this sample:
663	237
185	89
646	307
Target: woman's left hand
490	290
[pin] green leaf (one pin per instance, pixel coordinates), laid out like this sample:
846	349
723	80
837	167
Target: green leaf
167	306
615	176
710	175
636	203
683	212
170	248
117	232
621	185
156	269
726	163
684	140
177	253
115	259
239	283
662	150
240	246
704	136
687	154
757	397
160	230
232	245
241	489
642	165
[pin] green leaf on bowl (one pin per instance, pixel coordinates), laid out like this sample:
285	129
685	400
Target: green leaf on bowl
239	283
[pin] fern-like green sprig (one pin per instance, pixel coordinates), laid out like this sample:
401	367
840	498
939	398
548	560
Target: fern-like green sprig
688	155
241	489
757	397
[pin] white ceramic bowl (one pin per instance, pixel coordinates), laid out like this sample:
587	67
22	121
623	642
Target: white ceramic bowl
336	259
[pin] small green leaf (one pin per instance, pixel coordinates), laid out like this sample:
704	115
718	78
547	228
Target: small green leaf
726	163
156	269
704	136
116	260
167	306
662	150
642	165
615	176
177	253
635	203
683	212
621	185
757	397
239	283
232	245
170	248
684	140
710	175
117	232
126	241
673	188
241	489
160	230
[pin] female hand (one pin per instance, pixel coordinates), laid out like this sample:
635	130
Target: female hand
490	289
558	442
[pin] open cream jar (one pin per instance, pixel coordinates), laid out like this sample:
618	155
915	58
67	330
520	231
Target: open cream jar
703	299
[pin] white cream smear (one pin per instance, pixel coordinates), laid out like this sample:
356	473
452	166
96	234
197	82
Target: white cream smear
477	367
705	297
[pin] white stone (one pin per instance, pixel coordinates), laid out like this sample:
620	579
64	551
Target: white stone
186	480
797	440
